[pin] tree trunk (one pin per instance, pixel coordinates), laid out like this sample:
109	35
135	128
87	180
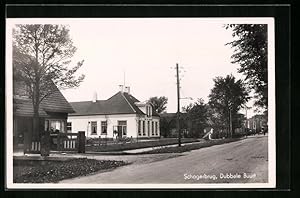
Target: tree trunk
36	105
36	98
36	122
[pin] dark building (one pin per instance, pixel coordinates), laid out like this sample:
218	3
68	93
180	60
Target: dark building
168	125
53	114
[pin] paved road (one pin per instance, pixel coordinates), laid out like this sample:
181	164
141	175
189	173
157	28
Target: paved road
245	161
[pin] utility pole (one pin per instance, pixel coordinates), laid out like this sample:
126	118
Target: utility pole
178	105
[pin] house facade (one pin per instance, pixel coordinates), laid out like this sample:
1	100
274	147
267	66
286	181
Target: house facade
257	123
122	115
53	113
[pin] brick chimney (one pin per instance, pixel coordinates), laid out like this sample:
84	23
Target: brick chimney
121	87
127	90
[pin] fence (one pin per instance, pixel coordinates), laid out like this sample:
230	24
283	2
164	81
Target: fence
68	141
33	147
59	142
32	144
64	141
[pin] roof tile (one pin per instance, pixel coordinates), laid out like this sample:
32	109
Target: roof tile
120	103
55	102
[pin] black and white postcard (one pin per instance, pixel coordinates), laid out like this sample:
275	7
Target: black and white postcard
123	103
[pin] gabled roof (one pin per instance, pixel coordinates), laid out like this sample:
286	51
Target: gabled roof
54	103
132	100
23	107
120	103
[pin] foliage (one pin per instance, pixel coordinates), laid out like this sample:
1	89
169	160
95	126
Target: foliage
41	58
227	97
238	120
196	118
159	103
251	53
55	171
215	119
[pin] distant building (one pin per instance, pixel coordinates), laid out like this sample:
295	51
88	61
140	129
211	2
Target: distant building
257	123
122	115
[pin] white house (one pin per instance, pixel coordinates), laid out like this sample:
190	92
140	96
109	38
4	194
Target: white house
122	115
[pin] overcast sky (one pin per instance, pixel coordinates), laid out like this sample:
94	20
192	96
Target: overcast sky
147	50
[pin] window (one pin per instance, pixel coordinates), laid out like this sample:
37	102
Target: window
47	127
139	127
144	127
152	129
122	127
148	128
69	127
148	111
104	127
156	131
56	126
93	127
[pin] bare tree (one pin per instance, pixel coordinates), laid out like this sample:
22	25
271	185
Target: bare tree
41	58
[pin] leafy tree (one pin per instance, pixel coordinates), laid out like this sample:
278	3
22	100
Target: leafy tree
41	58
215	120
159	103
251	53
239	120
227	97
196	117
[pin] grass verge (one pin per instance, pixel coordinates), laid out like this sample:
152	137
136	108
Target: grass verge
54	171
190	147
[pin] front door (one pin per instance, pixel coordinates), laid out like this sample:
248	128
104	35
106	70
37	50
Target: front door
122	128
119	131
